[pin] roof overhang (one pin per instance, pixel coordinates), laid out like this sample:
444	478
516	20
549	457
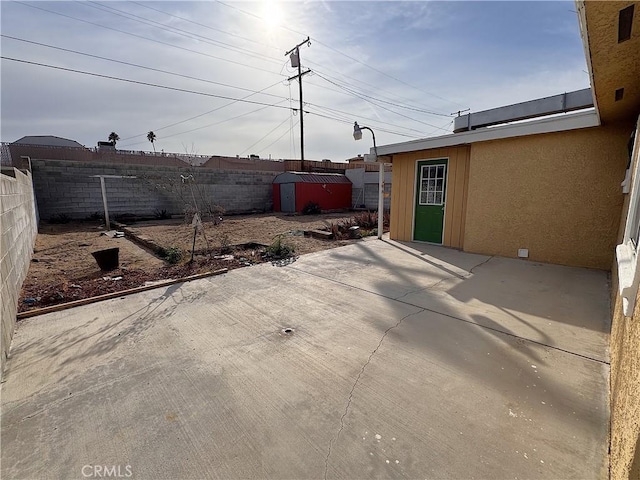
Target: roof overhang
613	63
563	123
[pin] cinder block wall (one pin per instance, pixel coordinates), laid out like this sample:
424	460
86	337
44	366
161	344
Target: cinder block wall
67	187
365	188
18	229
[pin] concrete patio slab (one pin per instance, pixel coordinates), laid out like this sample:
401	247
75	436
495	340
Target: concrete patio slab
199	380
564	307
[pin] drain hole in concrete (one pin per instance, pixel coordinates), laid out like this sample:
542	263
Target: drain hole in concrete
287	331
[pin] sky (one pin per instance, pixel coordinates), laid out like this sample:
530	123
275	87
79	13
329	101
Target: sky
213	79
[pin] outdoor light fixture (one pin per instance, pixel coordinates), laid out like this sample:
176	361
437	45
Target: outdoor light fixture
357	135
357	131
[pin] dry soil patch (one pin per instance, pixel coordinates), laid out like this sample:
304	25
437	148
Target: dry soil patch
64	270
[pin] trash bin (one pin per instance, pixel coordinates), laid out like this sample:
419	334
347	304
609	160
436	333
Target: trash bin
107	259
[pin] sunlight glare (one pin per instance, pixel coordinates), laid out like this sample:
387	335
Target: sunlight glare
272	13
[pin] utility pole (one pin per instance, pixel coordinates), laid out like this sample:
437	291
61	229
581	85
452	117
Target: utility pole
295	62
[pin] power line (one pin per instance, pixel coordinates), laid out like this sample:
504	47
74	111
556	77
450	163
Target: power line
262	44
179	31
202	115
386	74
262	138
374	88
349	116
389	110
350	122
345	55
193	51
142	66
149	39
201	127
380	121
184	90
278	139
353	92
291	114
182	48
234	100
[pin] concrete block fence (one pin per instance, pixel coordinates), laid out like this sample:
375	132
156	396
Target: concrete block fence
71	188
18	229
366	187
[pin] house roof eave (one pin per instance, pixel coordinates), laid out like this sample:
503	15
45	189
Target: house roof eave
572	121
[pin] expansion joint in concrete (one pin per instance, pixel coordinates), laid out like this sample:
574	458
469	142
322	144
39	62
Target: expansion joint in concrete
429	287
355	384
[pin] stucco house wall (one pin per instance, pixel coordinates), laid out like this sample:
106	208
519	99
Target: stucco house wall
625	388
624	383
556	194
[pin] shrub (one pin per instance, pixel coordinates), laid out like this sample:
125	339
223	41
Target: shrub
225	244
311	208
162	214
342	229
171	254
334	228
369	220
366	220
280	249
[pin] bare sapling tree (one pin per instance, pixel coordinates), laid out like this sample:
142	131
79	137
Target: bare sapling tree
197	204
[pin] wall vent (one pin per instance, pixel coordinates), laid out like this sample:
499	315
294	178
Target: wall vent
625	21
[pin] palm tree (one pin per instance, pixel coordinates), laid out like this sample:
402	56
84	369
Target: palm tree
152	138
113	138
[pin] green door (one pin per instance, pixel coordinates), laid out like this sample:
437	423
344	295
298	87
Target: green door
430	198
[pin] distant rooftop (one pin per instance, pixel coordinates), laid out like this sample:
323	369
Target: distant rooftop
48	141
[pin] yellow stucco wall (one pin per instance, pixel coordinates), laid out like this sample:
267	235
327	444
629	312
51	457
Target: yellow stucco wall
556	194
614	65
625	390
625	379
403	193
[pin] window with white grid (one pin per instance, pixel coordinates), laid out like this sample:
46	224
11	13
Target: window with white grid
432	184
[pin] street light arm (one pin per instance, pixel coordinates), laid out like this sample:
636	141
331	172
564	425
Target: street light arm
357	135
375	147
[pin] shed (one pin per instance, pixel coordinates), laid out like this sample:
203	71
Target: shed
293	190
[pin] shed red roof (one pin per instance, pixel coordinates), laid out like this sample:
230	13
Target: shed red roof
310	177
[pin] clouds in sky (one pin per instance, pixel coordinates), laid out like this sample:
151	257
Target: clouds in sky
398	67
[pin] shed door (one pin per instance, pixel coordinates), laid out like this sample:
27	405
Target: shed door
430	200
288	197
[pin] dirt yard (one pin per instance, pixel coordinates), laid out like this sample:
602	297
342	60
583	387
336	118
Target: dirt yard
64	270
241	229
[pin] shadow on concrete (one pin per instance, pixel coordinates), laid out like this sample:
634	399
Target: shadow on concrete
100	342
422	257
519	370
479	333
552	293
